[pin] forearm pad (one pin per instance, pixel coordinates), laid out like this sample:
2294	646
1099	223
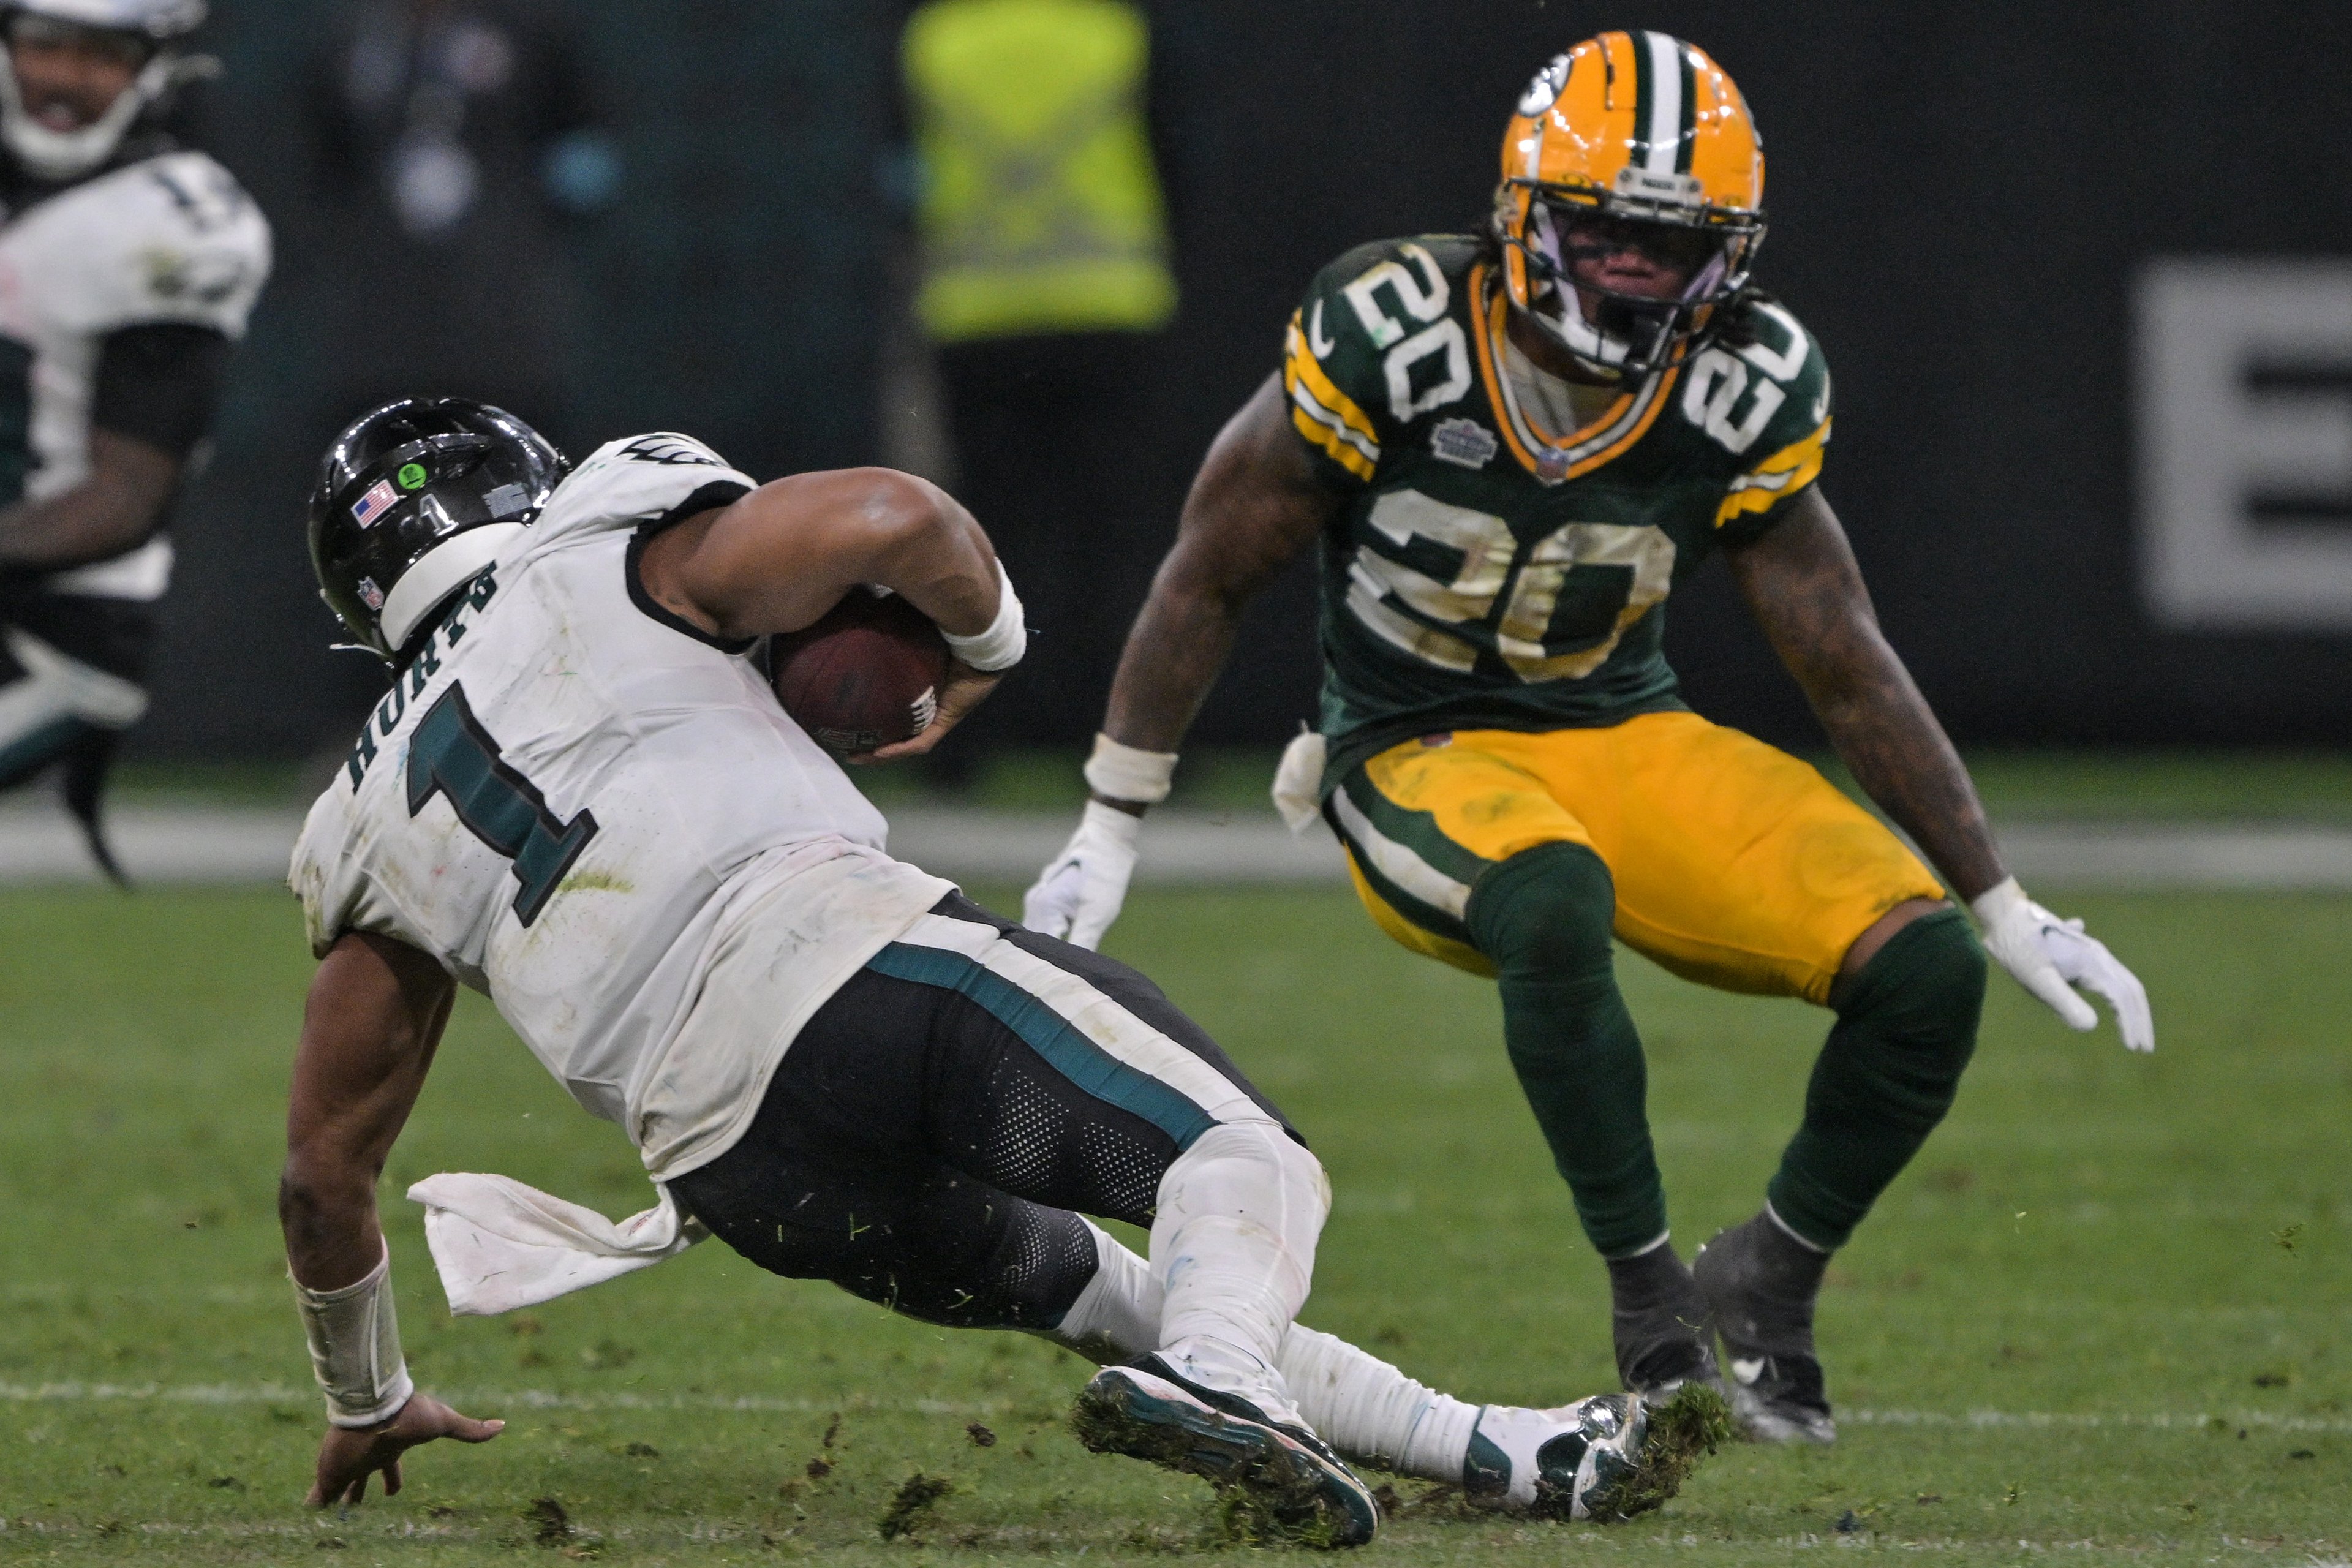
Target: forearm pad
355	1348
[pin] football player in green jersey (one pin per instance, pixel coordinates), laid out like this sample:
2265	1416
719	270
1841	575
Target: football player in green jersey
1508	448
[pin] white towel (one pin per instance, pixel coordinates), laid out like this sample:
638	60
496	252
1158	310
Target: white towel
1299	780
499	1244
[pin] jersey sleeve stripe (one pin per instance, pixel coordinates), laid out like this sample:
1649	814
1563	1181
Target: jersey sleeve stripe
1776	478
1325	415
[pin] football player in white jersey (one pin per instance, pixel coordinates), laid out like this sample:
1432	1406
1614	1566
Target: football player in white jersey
128	267
580	796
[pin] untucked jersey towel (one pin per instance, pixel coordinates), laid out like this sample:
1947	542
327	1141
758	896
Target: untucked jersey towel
499	1244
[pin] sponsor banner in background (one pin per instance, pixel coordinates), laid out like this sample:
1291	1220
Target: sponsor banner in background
2246	443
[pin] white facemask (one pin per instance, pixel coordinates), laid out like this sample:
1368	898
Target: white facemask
68	154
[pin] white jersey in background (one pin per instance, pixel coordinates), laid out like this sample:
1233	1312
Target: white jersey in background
169	239
600	816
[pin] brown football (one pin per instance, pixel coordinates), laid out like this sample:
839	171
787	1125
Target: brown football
866	674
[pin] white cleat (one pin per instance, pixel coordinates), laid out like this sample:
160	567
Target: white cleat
1565	1463
1607	1458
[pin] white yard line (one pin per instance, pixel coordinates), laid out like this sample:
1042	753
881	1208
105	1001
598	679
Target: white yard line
227	845
543	1399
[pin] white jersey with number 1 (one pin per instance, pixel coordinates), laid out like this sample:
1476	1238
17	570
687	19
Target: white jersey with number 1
599	816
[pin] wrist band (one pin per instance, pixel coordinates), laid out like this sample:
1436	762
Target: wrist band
1123	772
355	1348
1006	639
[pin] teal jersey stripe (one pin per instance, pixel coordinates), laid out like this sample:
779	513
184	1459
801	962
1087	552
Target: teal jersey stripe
1051	1036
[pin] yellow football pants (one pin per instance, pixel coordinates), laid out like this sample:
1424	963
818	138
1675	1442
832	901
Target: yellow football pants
1735	864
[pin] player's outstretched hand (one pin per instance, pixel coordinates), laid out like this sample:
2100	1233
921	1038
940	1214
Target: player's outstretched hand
959	693
2050	957
1079	892
348	1456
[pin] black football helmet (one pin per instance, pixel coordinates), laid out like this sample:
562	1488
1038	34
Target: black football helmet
413	500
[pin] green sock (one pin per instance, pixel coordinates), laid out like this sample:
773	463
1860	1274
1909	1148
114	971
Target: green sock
1906	1028
1543	917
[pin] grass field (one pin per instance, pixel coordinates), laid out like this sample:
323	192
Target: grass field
2106	1314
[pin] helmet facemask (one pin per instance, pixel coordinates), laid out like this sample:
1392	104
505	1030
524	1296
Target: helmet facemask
1616	333
144	30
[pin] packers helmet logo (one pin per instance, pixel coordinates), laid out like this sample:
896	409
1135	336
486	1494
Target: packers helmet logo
1545	89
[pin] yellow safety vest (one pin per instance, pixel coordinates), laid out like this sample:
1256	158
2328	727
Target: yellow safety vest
1040	209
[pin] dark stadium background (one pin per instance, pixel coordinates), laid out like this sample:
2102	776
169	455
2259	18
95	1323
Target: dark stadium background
1961	196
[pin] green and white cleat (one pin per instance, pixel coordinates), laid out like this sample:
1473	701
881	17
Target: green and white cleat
1607	1458
1278	1479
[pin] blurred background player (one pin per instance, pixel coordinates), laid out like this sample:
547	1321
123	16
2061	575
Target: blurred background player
1048	284
454	141
1512	447
128	267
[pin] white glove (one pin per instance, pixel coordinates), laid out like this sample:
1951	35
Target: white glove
2050	956
1079	892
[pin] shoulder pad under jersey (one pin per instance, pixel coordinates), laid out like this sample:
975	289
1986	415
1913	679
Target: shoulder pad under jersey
1760	395
169	238
638	479
1379	343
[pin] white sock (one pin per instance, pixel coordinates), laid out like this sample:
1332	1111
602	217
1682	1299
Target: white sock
1232	1245
1117	1317
1370	1411
1360	1403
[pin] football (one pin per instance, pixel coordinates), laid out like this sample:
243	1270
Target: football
866	674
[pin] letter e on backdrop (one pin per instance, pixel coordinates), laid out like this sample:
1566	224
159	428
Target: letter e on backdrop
2246	443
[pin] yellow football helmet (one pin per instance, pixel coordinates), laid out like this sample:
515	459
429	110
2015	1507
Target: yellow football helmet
1629	140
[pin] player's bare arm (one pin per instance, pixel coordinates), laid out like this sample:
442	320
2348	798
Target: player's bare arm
373	1019
1800	580
117	507
782	556
1254	505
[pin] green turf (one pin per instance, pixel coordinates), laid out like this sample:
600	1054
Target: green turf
2105	1315
2297	786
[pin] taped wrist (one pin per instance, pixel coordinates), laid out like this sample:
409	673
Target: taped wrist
1124	773
355	1348
1006	639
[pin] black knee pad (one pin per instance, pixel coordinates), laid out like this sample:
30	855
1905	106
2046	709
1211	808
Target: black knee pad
1544	914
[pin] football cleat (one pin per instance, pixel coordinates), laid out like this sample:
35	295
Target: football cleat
1659	1321
1278	1479
1607	1458
1759	1285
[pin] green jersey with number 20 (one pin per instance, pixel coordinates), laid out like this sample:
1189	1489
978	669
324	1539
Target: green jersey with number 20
1488	571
